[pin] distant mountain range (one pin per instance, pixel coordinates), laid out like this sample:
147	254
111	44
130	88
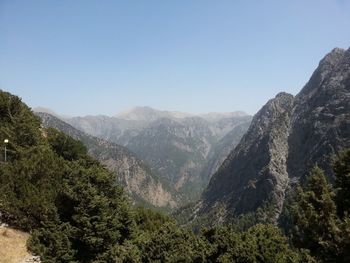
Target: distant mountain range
183	149
286	138
149	114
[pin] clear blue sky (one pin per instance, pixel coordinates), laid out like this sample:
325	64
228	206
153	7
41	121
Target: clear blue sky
100	57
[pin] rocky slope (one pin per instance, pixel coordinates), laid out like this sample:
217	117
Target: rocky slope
285	139
222	149
177	146
137	179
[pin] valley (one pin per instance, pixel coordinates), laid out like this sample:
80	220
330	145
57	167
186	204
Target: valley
147	185
182	149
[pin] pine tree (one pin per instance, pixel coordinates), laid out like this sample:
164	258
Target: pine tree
341	170
316	226
97	211
342	183
53	243
29	186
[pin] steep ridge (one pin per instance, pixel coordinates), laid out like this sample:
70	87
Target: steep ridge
321	116
285	139
137	179
255	172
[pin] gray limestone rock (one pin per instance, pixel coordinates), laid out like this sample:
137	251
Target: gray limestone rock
286	138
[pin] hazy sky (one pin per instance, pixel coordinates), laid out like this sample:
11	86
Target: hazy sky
100	57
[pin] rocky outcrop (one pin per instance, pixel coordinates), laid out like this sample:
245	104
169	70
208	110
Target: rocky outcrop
31	259
285	139
137	179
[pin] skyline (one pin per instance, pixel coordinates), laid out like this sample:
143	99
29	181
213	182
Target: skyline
85	58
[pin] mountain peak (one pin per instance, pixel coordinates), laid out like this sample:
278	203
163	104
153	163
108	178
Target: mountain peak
333	57
45	110
328	66
146	113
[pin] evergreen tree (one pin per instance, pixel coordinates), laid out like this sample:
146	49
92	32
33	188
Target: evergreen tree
18	124
98	212
29	186
65	146
342	182
171	244
260	243
316	226
342	187
53	243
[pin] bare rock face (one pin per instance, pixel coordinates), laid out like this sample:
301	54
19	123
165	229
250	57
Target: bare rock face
286	138
321	116
138	181
255	172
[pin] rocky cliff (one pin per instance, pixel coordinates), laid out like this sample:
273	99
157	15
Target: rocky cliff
285	139
320	123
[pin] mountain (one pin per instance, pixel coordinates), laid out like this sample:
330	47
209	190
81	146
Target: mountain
176	148
222	149
214	116
321	115
112	129
150	114
180	149
286	138
137	179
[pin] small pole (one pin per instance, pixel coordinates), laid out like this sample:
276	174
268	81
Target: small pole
6	141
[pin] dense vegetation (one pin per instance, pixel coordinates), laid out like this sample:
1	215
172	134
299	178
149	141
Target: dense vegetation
76	213
320	214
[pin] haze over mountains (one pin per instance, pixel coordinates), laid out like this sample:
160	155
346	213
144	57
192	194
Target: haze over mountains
182	149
